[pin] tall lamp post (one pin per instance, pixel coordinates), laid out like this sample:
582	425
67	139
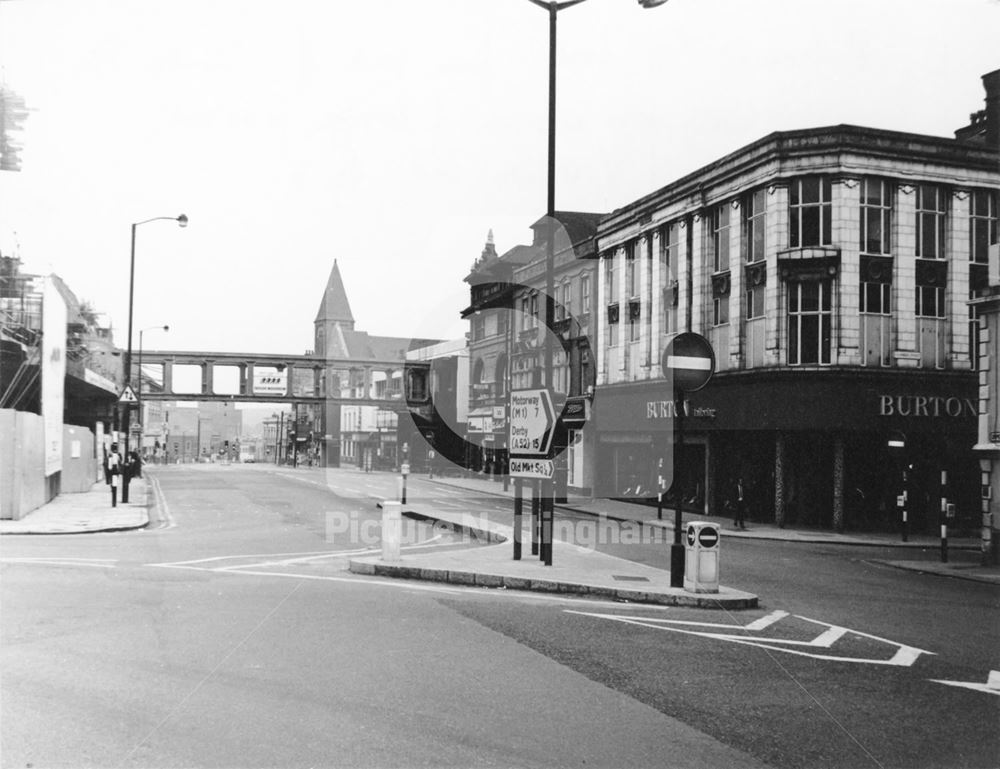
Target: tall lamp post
553	7
138	392
182	220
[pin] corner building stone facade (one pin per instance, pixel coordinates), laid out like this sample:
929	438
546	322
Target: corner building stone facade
831	269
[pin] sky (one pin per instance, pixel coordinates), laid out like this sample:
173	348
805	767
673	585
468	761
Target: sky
392	135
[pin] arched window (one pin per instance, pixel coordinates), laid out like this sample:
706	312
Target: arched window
477	372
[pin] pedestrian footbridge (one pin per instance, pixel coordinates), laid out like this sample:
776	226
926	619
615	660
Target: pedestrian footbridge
279	378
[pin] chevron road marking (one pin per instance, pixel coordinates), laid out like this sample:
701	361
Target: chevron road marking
992	685
904	655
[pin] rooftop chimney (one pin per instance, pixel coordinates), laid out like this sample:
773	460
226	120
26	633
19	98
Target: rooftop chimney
991	82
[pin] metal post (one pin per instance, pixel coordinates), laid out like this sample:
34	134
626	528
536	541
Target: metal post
659	490
295	443
518	515
677	549
903	499
138	396
128	367
277	438
535	501
944	516
548	496
548	510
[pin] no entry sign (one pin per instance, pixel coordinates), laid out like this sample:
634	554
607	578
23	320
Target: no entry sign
690	360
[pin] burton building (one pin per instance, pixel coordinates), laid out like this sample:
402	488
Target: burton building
832	270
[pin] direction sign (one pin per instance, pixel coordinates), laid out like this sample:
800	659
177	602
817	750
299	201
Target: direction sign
690	360
128	396
532	468
530	422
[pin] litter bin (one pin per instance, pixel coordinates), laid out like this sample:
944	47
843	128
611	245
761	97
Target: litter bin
701	558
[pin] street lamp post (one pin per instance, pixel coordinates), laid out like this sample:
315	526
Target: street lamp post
138	392
182	220
553	7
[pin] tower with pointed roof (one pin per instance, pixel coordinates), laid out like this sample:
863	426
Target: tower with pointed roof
333	318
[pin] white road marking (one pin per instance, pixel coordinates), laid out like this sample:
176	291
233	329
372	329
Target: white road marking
992	685
98	563
161	505
248	555
904	655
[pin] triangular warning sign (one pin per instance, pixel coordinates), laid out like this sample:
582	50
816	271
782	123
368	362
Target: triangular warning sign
128	396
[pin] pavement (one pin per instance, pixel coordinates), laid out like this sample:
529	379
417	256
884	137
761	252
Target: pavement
87	512
488	560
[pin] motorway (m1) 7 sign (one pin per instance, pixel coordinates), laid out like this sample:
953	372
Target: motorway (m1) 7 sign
531	424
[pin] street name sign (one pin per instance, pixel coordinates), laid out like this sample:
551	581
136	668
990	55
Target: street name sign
690	360
531	422
532	468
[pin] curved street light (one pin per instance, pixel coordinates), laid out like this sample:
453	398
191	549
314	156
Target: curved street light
182	220
548	496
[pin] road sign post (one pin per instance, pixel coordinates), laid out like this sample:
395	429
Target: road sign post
531	424
688	362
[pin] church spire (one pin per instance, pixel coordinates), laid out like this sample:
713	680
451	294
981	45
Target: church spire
335	307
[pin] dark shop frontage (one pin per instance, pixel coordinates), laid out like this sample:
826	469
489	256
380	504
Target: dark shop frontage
820	448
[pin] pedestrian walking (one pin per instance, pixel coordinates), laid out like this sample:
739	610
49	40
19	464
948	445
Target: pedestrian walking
741	505
134	465
113	472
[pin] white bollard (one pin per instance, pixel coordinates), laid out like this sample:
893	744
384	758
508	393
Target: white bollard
392	530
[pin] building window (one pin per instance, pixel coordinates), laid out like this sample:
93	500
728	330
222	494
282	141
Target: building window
720	310
974	333
631	274
756	223
755	302
669	253
525	313
982	225
876	216
931	211
611	279
478	327
585	295
876	298
810	322
810	212
566	311
720	238
633	328
930	301
534	310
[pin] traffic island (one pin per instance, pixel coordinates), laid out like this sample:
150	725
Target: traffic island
577	571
